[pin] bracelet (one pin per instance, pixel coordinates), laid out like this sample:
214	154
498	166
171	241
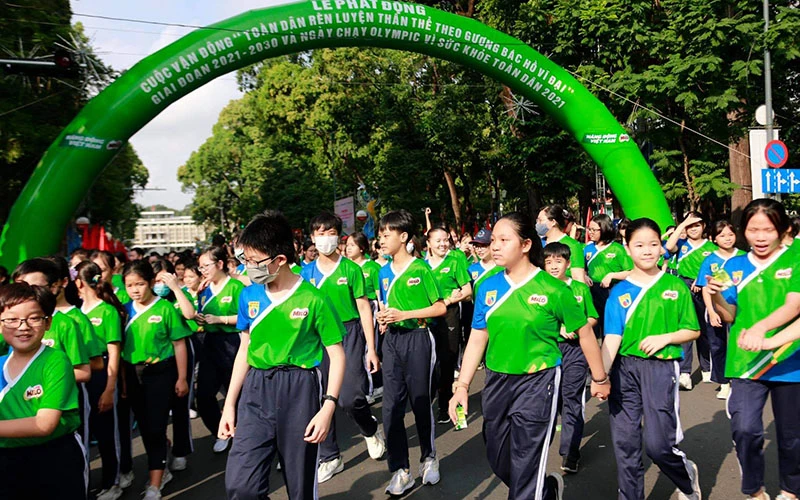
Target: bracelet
328	397
602	381
460	385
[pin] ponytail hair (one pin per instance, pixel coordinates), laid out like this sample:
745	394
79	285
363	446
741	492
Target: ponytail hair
90	274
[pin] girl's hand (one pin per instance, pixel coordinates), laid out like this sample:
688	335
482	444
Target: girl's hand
427	210
695	288
713	286
317	428
769	344
373	361
606	281
588	281
689	221
601	392
204	283
654	343
200	318
567	335
170	280
211	319
181	387
106	401
227	423
714	319
460	397
391	315
752	339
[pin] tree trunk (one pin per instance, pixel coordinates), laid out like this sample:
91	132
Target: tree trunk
454	203
740	174
687	175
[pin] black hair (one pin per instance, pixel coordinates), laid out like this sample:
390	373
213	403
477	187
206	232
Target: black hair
218	254
106	257
307	243
639	224
608	232
70	290
526	231
121	256
795	226
324	221
399	220
186	262
556	249
361	240
556	213
138	251
81	253
162	264
4	276
622	225
718	226
774	210
14	294
270	234
440	227
141	268
699	215
90	274
37	265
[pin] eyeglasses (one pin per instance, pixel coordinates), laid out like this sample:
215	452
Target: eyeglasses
254	263
207	266
593	230
15	323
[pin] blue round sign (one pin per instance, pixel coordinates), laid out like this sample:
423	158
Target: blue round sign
776	153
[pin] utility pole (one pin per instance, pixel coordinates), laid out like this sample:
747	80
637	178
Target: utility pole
767	75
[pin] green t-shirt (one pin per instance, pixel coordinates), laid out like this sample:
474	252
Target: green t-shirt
295	268
119	288
451	273
583	295
409	289
478	274
94	346
64	335
190	323
107	323
290	331
575	252
149	333
524	321
48	382
691	258
224	303
757	291
372	281
638	311
342	285
609	259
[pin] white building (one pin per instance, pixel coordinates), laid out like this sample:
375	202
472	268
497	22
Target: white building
164	229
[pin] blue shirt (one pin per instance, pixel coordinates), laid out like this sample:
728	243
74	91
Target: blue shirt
712	264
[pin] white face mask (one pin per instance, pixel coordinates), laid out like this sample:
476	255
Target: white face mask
326	244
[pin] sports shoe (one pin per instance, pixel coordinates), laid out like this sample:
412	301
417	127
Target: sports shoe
152	493
706	377
167	477
429	470
178	463
112	493
569	465
766	497
193	414
782	497
724	391
442	417
327	470
376	444
401	482
221	445
695	477
555	483
126	479
685	381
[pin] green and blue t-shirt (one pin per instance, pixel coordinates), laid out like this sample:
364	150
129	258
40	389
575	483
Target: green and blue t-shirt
225	302
342	285
150	332
409	289
451	273
612	258
478	272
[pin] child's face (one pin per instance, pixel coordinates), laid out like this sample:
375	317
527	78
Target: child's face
438	243
645	247
190	279
311	253
695	231
556	267
482	251
180	269
762	235
391	241
594	232
138	288
726	239
351	250
28	337
508	249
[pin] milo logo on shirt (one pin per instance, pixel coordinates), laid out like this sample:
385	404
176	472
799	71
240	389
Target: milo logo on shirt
579	298
341	281
537	299
226	300
625	300
783	274
706	254
253	308
49	342
413	281
96	321
34	392
445	270
610	255
737	276
670	295
155	319
366	275
491	297
299	313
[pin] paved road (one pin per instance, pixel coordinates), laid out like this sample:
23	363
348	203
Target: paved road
465	472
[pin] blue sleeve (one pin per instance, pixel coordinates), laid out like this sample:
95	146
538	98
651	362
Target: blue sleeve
731	295
614	323
243	318
479	314
705	270
306	273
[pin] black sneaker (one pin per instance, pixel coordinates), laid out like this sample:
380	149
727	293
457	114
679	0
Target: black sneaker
554	486
443	417
569	465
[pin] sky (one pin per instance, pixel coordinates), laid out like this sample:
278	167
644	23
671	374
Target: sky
165	143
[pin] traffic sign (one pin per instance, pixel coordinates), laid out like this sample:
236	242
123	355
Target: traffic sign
776	153
780	181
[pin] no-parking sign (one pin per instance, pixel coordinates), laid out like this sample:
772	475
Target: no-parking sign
776	154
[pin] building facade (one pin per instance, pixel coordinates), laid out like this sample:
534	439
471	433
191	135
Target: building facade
164	230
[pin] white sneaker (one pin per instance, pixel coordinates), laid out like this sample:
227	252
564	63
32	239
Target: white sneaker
685	381
152	493
401	482
724	391
167	477
193	414
221	445
327	470
112	493
126	479
376	445
695	477
781	497
178	463
429	470
706	377
556	483
766	497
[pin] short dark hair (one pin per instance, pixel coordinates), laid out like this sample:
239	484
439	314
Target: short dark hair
81	253
106	257
14	294
639	224
526	231
718	226
61	266
608	232
307	243
270	234
324	221
557	249
37	265
399	220
361	240
162	264
138	250
774	210
795	226
141	268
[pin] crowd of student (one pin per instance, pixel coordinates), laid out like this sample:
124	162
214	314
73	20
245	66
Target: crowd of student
289	331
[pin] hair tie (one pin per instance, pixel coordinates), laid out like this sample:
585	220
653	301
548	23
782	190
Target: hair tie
96	279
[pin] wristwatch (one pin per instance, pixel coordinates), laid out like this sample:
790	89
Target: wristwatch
328	397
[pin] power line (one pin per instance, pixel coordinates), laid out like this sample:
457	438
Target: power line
31	103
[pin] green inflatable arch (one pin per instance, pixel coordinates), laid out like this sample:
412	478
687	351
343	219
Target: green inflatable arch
71	164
